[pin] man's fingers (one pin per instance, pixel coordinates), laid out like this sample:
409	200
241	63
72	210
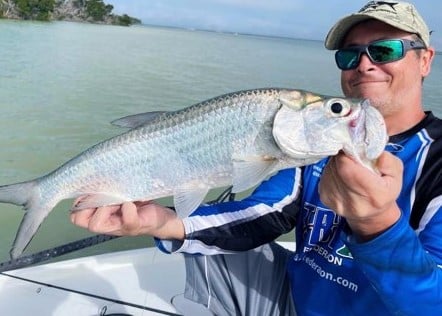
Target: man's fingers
123	219
82	218
130	220
143	203
105	220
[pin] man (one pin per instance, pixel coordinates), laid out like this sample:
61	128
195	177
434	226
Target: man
367	243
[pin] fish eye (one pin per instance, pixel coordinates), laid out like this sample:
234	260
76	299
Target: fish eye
338	108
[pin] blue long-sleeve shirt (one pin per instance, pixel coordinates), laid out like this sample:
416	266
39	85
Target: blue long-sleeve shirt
397	273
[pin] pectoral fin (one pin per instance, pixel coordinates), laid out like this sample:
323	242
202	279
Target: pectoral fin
251	171
188	199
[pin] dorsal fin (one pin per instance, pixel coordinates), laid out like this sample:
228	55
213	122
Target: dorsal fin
132	121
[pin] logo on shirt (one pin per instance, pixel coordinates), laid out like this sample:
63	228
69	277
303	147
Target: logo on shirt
321	227
394	148
344	252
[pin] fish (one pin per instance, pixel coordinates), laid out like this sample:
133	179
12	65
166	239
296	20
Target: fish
237	139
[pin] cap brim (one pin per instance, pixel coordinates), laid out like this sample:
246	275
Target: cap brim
340	29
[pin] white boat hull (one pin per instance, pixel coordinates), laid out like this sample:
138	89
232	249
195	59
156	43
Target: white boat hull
135	282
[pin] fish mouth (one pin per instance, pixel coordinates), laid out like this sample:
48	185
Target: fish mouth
357	119
368	133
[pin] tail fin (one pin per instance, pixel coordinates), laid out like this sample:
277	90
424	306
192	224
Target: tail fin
26	194
18	194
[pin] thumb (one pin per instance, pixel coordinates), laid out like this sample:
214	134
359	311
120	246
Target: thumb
389	165
130	218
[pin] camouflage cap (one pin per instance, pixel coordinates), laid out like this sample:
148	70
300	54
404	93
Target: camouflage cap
401	15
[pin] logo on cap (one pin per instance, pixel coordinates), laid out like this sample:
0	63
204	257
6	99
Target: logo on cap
375	4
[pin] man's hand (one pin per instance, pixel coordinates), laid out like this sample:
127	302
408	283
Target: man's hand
367	200
131	219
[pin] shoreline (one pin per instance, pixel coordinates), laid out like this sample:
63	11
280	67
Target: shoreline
93	11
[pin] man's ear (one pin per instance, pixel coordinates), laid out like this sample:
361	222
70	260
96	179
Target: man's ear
427	58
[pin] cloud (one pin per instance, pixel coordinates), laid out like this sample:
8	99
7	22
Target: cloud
274	5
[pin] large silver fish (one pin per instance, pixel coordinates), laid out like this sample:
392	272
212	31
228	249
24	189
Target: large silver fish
236	139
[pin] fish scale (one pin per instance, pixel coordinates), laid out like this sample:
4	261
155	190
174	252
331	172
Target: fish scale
235	139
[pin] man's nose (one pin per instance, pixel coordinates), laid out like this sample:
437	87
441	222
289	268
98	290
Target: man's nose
365	63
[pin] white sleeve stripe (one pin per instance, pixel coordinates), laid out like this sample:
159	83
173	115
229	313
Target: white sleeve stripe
423	151
433	207
198	222
198	247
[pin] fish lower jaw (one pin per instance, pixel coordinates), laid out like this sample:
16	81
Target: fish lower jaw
310	154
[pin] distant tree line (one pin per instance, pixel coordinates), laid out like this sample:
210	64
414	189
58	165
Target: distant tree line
35	9
97	9
76	10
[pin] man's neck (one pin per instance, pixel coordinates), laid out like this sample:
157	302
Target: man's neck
401	122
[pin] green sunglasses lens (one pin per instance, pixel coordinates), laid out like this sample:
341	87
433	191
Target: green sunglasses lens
347	59
383	51
386	51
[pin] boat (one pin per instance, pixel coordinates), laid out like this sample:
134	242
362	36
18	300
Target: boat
131	282
137	282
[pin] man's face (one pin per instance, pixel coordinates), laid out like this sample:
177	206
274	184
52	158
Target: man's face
392	86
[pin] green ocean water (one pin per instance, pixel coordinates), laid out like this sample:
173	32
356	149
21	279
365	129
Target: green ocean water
62	83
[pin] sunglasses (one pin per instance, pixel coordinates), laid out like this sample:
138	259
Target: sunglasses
379	52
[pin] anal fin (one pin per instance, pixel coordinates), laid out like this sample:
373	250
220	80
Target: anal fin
96	200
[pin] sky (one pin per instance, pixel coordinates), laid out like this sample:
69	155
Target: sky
306	19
